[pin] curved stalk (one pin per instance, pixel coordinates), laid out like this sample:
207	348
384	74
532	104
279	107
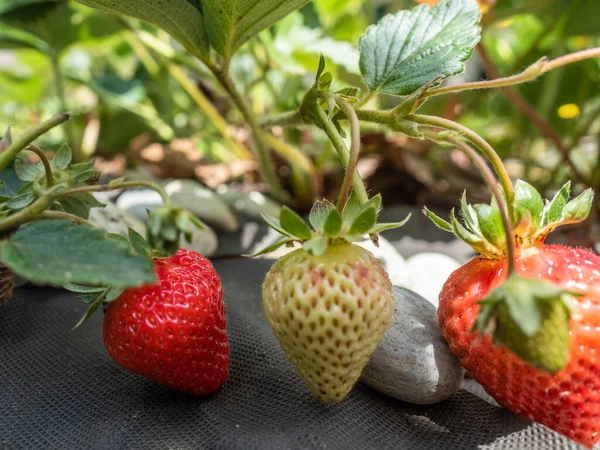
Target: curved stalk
286	119
482	145
59	215
532	72
118	185
28	214
354	153
9	153
489	178
47	168
343	152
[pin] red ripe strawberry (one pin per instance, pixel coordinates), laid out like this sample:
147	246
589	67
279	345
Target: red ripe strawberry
174	331
551	374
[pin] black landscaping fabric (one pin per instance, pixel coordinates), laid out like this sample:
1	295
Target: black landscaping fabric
60	390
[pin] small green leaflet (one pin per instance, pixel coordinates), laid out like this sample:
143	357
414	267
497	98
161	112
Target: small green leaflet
317	245
62	159
27	172
273	247
528	201
405	51
319	214
78	204
364	222
294	225
139	244
333	224
59	252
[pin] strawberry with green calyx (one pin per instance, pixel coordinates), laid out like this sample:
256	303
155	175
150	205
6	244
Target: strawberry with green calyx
330	301
528	335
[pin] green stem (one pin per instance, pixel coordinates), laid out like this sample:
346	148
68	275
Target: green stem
47	168
59	84
59	215
261	149
489	178
286	119
118	185
8	155
28	214
342	150
532	72
481	144
354	153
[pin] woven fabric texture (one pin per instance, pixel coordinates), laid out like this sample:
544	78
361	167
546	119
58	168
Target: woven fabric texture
60	390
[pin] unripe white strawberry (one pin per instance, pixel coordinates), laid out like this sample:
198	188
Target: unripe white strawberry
329	302
329	312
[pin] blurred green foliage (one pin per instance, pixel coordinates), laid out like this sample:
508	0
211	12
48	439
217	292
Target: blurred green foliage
114	80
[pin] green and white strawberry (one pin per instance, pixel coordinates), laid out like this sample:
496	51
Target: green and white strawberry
330	301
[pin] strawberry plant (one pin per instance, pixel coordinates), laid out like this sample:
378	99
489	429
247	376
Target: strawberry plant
520	317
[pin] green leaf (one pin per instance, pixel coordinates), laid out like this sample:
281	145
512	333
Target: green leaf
273	247
294	225
21	201
317	245
381	227
58	252
405	51
554	210
27	172
364	221
231	23
438	221
333	224
528	203
83	289
62	158
374	202
80	204
180	18
352	208
97	302
578	209
321	67
490	224
139	244
469	215
319	214
274	223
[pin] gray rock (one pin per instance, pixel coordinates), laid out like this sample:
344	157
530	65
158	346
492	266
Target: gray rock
412	362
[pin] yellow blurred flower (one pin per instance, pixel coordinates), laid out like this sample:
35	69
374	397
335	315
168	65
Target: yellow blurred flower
485	5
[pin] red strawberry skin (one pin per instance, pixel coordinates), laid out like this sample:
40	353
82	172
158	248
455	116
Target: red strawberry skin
568	401
174	331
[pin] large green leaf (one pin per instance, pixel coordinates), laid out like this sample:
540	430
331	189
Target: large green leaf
405	51
181	18
230	23
58	252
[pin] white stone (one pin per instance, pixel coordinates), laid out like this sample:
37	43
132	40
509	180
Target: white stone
412	362
427	273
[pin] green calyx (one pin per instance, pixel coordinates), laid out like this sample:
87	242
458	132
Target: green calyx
168	224
531	318
481	225
329	225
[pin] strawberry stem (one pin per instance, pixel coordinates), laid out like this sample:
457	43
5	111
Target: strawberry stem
118	185
342	150
482	145
9	153
354	153
47	168
489	178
